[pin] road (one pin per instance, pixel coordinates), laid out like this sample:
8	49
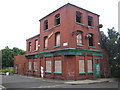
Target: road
17	81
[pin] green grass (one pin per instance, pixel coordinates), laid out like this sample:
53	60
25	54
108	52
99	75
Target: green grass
7	70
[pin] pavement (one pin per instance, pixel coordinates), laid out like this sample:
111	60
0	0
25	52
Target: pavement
1	87
92	81
77	82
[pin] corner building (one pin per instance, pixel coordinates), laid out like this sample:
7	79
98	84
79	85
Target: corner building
67	47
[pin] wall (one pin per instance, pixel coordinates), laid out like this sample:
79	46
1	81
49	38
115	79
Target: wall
32	40
67	26
70	67
21	61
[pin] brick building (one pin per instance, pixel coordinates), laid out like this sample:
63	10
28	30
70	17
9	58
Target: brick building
67	47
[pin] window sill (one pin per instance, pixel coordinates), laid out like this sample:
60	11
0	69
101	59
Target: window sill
47	72
45	48
81	72
35	50
29	70
91	46
91	27
97	58
56	25
80	24
57	72
90	72
80	45
35	70
51	28
56	46
46	30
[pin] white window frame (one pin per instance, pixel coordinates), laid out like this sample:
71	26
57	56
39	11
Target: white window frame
81	66
46	42
35	65
58	66
90	65
57	39
36	44
30	65
79	39
48	66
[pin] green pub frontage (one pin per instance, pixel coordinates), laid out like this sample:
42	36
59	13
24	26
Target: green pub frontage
67	47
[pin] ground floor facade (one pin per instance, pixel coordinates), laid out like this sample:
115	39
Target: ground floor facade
65	64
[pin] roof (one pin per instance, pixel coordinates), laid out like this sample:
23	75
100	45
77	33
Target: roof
33	37
71	5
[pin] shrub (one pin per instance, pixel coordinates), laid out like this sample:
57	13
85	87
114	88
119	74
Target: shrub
7	70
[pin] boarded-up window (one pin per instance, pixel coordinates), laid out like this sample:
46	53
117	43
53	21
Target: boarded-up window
29	65
46	42
48	65
35	65
36	44
57	39
58	66
30	46
79	38
81	66
90	66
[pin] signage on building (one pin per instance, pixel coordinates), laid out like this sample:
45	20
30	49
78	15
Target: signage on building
65	44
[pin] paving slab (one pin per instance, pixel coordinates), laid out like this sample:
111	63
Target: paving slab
1	87
89	81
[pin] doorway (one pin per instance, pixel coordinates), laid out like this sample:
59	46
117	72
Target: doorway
97	70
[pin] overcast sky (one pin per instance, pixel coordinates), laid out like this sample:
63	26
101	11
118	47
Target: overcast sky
19	19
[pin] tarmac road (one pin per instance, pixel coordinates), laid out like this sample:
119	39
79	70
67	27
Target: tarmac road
17	81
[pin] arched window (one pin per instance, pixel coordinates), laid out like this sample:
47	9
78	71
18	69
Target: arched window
79	38
78	17
57	39
90	40
30	47
36	44
57	19
45	42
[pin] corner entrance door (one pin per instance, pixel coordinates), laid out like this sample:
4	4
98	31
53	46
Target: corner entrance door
97	70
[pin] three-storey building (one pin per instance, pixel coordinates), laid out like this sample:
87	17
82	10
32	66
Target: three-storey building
68	47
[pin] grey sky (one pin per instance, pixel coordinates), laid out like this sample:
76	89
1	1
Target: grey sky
19	19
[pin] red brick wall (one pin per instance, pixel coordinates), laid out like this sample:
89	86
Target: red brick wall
33	45
21	61
68	25
104	64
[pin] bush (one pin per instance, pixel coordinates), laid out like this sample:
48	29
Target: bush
115	71
7	70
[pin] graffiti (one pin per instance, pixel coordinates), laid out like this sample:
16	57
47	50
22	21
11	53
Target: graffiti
41	71
71	74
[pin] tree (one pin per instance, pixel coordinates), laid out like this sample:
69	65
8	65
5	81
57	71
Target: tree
111	44
8	56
